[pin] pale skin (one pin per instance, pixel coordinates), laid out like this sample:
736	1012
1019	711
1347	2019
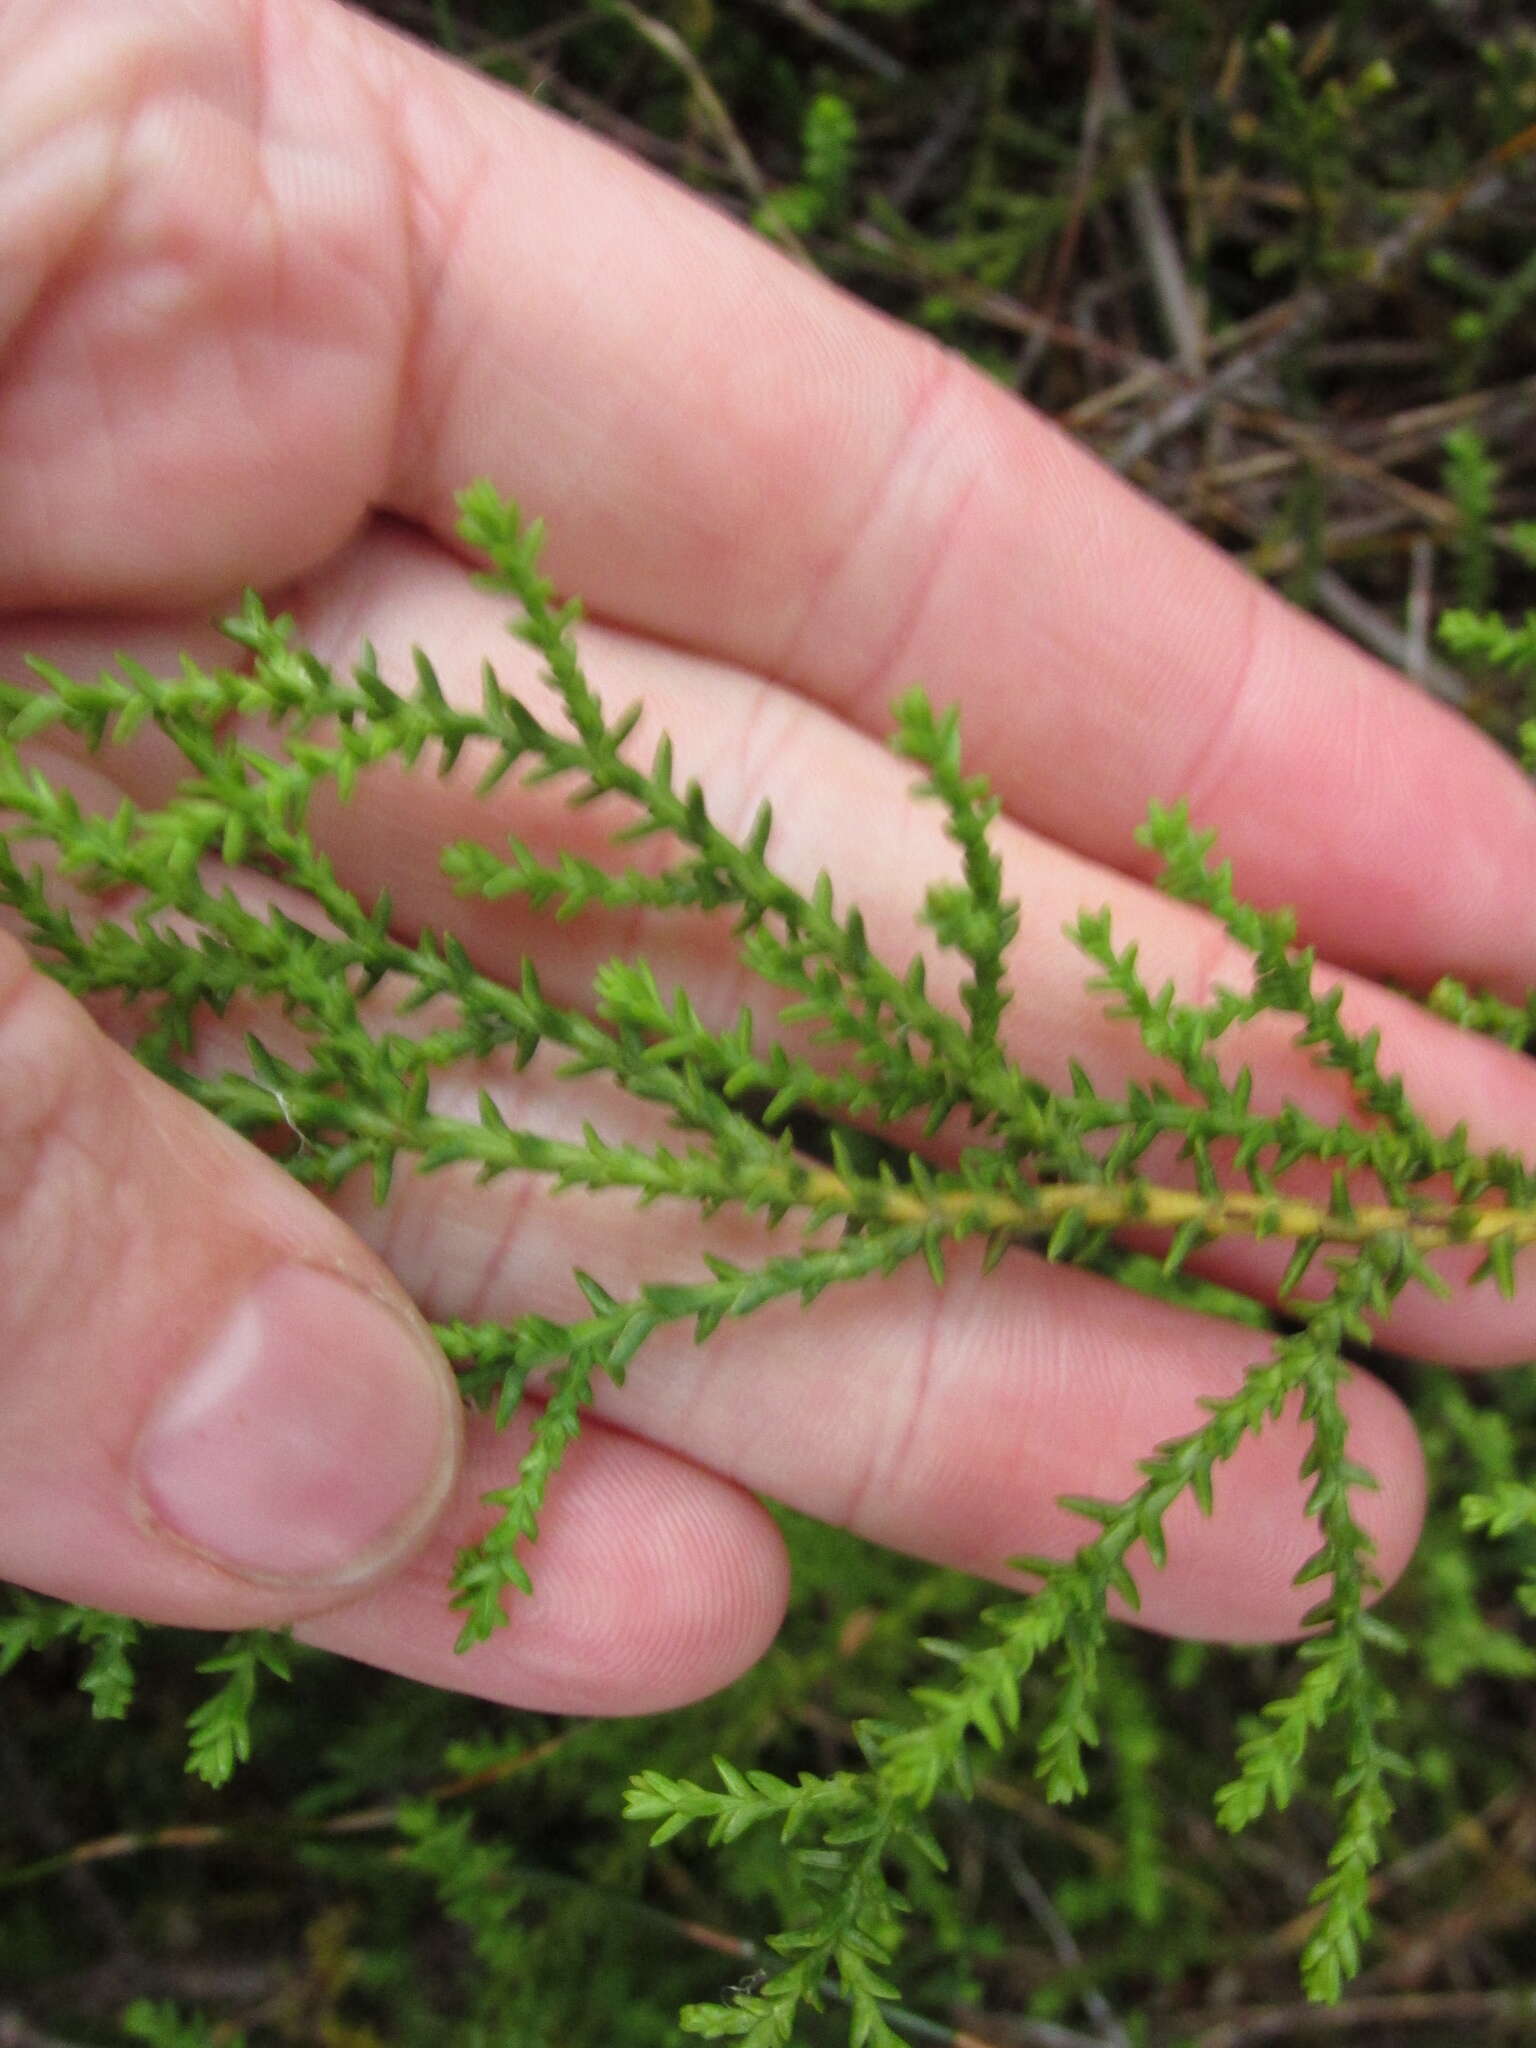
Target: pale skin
272	285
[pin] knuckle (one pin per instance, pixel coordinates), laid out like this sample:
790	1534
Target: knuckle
59	125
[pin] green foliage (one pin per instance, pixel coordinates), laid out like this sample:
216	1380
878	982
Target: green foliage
1471	482
162	2026
1316	128
1347	270
971	917
1498	304
219	1731
1510	1509
1489	640
829	139
1060	1168
105	1677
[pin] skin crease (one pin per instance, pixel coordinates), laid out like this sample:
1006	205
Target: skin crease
274	284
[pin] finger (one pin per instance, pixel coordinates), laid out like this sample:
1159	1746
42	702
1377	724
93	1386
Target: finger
754	466
238	1418
654	1583
204	297
947	1425
693	1596
844	804
216	1408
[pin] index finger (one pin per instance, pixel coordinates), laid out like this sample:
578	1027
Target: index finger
736	457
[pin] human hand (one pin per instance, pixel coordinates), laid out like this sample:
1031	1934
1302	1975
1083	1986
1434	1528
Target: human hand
275	284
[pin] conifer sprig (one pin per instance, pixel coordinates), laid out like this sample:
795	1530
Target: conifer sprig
361	1028
971	915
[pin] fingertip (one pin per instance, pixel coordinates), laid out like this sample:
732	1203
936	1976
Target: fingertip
1388	1445
687	1586
1232	1576
655	1583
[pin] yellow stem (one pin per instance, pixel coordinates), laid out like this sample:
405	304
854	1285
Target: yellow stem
1116	1204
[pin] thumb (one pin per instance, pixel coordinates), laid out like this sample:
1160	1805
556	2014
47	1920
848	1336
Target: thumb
216	1407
